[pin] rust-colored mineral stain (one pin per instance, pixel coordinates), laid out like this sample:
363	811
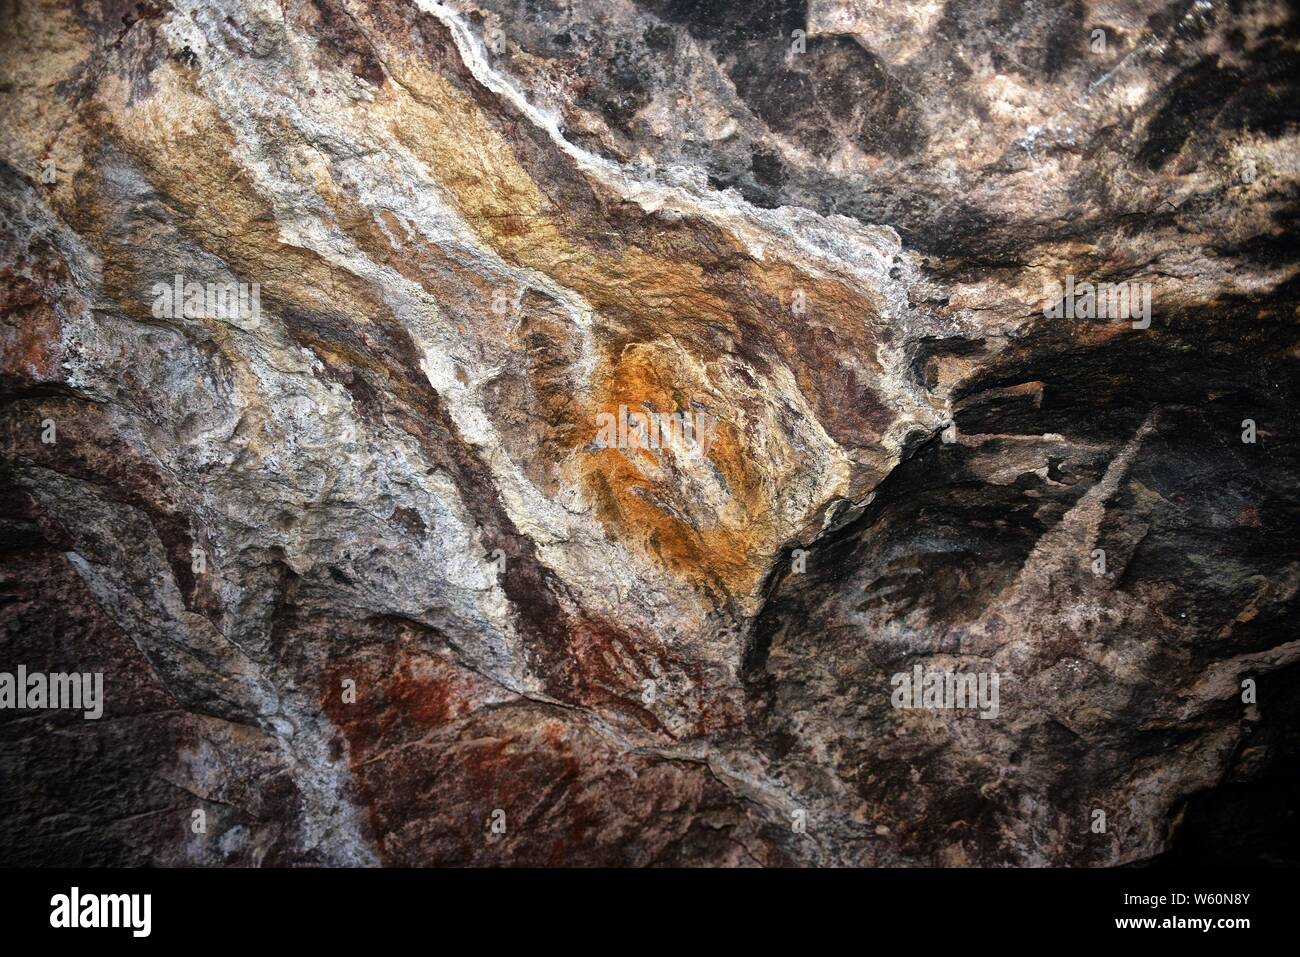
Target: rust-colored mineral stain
31	345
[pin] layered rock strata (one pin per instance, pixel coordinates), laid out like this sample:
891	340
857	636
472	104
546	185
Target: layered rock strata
526	432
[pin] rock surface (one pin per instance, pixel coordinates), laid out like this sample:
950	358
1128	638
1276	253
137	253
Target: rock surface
368	585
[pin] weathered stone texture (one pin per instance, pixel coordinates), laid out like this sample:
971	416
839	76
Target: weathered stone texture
824	229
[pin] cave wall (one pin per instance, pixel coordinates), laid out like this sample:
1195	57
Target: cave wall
368	584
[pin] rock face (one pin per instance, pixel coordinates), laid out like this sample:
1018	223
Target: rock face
637	410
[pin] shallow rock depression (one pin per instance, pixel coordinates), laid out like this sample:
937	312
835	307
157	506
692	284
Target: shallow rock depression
649	432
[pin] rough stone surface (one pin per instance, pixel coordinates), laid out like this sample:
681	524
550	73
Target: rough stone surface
824	227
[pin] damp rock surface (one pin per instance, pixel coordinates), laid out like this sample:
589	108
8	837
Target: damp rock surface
650	432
